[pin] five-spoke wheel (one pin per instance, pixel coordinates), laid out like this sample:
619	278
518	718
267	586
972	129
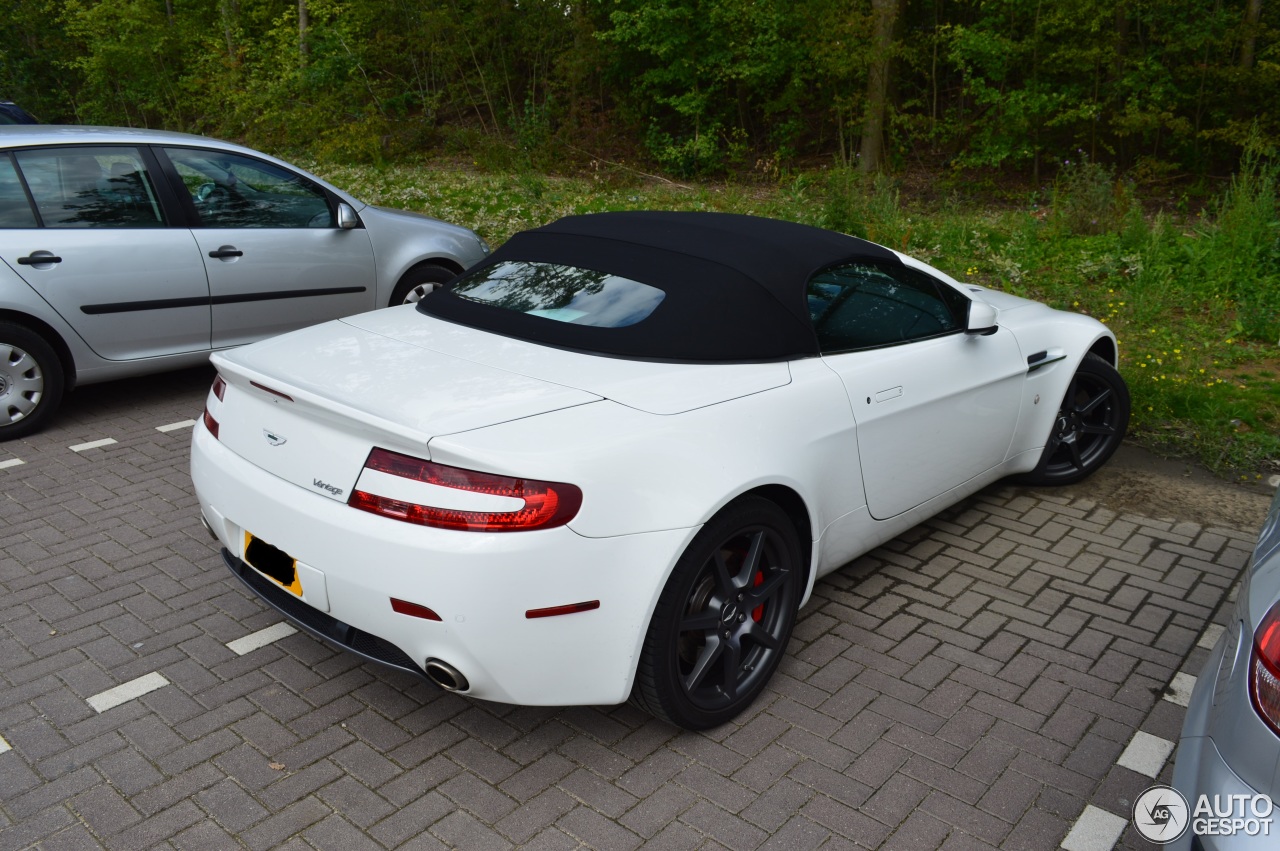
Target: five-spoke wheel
1089	427
724	618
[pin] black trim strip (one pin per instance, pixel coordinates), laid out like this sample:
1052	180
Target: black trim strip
155	304
238	298
243	297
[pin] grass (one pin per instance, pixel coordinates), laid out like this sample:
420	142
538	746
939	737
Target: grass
1193	303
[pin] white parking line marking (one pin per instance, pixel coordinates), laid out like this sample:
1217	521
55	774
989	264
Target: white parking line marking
1179	690
93	444
126	692
4	746
11	462
261	638
176	426
1095	830
1146	754
1210	637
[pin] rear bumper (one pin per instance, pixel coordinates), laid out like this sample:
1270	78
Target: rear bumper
352	563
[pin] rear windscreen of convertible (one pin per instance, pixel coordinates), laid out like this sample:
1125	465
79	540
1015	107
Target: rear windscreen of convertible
561	293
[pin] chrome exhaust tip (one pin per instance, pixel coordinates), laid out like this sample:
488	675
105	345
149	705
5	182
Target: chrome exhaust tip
446	676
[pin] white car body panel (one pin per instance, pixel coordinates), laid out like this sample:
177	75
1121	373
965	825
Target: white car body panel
656	448
657	388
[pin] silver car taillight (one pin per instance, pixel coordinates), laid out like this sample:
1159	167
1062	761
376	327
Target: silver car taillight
1264	669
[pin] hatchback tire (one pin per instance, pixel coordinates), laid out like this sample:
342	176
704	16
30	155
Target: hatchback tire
419	281
31	381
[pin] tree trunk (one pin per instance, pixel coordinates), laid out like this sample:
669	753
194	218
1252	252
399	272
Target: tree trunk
304	22
1252	14
871	153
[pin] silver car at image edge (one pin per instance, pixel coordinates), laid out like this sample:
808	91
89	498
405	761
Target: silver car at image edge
1230	743
125	252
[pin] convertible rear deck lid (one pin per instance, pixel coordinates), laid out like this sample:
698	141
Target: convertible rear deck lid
650	386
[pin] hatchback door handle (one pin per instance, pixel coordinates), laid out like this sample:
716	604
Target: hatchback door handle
38	257
225	251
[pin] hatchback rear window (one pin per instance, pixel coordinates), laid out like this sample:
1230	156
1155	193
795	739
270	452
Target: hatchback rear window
561	293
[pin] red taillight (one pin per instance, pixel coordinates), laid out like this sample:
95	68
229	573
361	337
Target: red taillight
219	387
404	607
1264	669
210	423
545	504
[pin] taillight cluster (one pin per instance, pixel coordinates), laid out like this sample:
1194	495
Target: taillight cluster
219	389
1264	669
542	505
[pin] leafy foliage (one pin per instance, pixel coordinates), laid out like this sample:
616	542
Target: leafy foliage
696	86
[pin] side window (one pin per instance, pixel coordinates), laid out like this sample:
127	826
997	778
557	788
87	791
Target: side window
91	187
15	212
864	306
234	191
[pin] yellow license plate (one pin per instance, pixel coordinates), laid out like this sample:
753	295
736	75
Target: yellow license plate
273	563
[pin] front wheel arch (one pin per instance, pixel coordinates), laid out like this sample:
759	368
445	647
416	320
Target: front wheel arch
436	270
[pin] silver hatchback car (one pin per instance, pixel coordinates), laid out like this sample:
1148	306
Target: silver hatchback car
125	252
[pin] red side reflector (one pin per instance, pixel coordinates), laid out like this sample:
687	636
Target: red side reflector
210	423
219	387
263	387
571	609
404	607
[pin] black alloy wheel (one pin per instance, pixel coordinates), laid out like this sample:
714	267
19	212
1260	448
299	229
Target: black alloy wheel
724	618
1089	427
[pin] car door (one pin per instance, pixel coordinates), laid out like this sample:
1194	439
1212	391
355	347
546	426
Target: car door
275	257
89	228
934	406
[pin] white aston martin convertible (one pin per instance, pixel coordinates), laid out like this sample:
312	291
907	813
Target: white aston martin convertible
610	461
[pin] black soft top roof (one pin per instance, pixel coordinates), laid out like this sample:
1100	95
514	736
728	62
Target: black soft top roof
735	285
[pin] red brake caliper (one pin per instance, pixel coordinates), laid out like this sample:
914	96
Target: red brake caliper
758	611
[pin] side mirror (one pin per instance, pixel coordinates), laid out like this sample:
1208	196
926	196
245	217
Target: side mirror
982	319
347	218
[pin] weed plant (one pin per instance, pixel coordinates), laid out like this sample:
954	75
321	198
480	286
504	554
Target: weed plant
1193	303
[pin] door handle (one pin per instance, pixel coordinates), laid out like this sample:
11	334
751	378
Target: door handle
226	251
38	257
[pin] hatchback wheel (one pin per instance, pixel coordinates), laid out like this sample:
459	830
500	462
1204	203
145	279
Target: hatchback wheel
31	381
1090	425
419	281
724	618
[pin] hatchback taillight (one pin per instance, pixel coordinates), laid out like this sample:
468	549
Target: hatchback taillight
1264	669
541	505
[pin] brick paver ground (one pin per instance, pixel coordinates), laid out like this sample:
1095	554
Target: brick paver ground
969	685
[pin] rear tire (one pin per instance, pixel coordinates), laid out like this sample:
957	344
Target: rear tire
420	281
724	618
31	381
1089	428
